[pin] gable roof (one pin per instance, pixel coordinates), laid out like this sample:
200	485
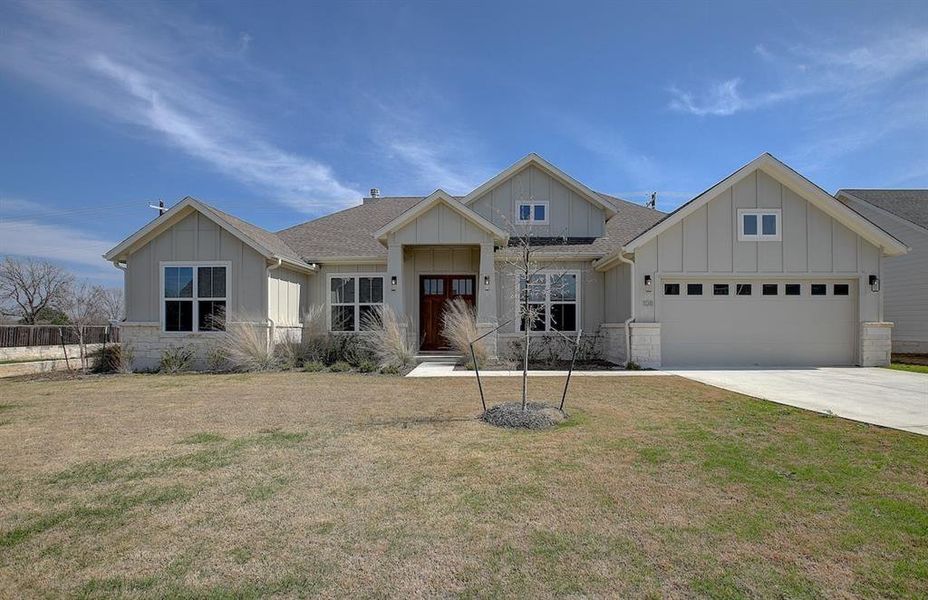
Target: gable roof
261	240
428	203
537	161
350	234
796	182
911	205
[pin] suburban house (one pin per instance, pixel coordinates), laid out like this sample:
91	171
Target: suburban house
904	214
764	268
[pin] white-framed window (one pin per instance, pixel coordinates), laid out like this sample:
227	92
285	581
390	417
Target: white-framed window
535	213
194	296
759	225
354	301
554	297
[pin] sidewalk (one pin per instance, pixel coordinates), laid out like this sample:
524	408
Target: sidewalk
430	369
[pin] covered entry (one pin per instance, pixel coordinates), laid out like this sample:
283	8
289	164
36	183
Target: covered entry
774	323
434	292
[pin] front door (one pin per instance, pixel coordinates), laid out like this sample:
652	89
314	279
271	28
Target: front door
434	291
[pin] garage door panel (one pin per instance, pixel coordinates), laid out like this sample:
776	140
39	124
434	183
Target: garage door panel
758	330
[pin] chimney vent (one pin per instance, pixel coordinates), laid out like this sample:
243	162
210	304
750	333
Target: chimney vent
375	193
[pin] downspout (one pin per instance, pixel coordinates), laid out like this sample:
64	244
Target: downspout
267	286
125	292
628	321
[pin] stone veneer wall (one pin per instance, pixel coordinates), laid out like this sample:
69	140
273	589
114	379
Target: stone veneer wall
146	342
646	345
875	344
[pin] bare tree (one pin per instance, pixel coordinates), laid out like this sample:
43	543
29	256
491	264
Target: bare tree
112	303
83	307
532	257
33	285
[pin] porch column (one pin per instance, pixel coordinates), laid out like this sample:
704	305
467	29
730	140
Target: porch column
395	295
487	318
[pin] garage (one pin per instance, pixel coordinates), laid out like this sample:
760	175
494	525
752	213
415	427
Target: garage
775	323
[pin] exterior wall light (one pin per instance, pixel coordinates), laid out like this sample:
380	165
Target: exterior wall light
486	282
874	283
393	282
647	282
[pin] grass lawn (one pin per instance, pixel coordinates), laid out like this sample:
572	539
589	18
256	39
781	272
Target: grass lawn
294	484
908	367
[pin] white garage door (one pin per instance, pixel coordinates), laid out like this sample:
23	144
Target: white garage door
757	323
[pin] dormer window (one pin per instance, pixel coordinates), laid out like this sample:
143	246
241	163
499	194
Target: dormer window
534	213
759	225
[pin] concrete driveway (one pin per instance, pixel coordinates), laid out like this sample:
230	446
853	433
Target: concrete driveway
879	396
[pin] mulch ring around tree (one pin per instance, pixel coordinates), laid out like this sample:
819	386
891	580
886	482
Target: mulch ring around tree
537	415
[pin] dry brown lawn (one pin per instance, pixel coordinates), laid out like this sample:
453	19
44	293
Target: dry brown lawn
293	484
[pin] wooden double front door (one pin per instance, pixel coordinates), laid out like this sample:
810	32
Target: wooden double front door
434	291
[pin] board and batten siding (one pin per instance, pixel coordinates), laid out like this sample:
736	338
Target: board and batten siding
194	238
706	243
441	224
569	213
287	296
905	281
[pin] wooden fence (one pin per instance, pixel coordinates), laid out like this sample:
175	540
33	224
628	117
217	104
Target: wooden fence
17	336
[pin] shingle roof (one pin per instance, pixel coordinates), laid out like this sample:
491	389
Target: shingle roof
262	237
911	205
350	232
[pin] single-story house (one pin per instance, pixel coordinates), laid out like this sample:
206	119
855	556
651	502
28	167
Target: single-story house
904	214
763	268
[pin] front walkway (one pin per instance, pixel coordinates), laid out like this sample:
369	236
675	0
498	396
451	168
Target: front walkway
872	395
438	369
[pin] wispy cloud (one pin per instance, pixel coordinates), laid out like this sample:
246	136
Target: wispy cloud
138	75
58	244
725	98
806	70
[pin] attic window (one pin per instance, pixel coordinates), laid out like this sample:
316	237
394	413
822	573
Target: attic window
534	213
759	225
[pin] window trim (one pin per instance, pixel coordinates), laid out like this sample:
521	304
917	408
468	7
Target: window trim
531	219
357	299
195	298
759	236
517	321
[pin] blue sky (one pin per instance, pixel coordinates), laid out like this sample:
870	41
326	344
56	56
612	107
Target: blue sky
279	112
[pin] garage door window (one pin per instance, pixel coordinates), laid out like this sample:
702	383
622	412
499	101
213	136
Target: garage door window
671	289
819	289
770	289
841	289
793	289
720	289
743	289
694	289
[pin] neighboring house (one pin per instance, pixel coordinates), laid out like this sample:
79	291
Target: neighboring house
764	268
904	214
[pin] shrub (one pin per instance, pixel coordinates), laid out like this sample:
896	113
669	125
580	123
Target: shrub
459	328
367	366
176	359
313	366
386	340
113	358
340	367
291	354
390	370
248	347
632	366
217	359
